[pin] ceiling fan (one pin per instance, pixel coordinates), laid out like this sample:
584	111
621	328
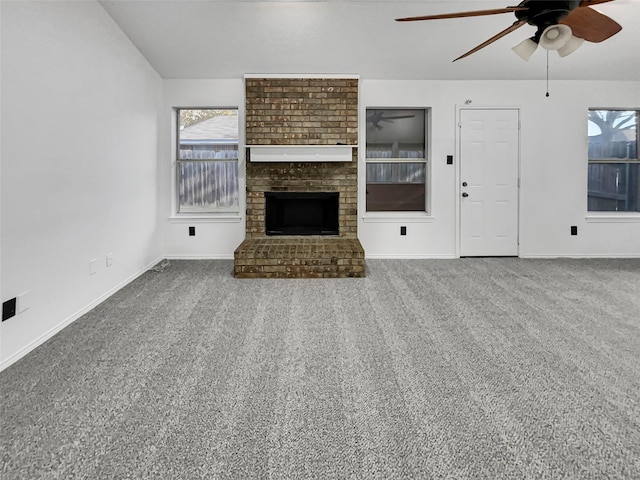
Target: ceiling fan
561	25
378	116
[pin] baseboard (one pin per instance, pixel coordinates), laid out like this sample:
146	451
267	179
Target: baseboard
72	318
222	256
408	257
581	255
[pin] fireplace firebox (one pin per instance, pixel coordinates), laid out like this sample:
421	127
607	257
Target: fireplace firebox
301	213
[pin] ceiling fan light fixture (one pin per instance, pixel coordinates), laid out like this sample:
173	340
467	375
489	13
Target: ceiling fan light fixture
554	37
555	22
525	49
571	46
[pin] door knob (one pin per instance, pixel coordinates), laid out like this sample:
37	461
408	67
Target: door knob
465	194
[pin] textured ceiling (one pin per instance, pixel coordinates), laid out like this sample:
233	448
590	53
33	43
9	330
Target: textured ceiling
226	39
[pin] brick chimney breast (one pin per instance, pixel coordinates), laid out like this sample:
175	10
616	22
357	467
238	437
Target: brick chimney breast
301	111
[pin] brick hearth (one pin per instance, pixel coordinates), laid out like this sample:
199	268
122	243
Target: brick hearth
299	257
301	111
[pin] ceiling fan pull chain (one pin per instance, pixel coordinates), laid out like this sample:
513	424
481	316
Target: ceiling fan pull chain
547	74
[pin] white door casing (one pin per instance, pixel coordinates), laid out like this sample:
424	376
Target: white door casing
488	188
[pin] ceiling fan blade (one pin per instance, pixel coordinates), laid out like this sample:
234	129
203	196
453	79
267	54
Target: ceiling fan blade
476	13
588	3
397	117
591	25
498	36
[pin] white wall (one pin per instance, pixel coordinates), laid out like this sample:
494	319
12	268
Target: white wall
80	110
430	235
553	194
215	237
554	174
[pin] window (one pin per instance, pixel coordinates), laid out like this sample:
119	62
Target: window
207	160
614	168
396	160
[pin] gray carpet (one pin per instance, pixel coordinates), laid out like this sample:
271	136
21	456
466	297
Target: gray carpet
470	368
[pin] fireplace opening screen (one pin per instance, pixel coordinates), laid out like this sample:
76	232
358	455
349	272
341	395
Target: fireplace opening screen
301	213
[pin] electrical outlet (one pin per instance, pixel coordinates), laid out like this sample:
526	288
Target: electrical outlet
192	231
403	230
109	259
574	230
93	266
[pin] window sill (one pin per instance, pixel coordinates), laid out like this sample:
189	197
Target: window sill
613	217
404	217
213	218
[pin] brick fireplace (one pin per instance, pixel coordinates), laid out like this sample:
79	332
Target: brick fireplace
292	112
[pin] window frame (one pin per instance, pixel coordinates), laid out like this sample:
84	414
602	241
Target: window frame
373	215
599	214
215	214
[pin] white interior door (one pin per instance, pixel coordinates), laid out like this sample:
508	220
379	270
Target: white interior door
489	158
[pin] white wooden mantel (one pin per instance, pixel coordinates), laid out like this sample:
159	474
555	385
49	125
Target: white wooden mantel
301	153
